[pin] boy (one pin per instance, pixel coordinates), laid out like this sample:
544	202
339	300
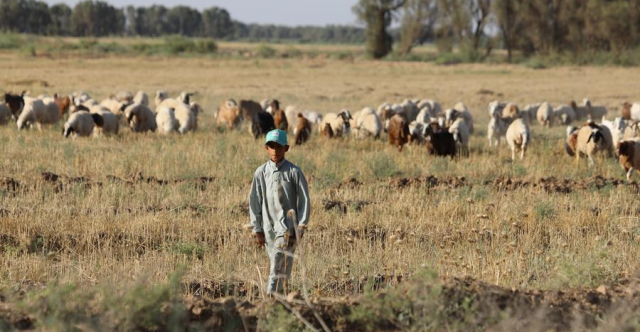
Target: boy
279	200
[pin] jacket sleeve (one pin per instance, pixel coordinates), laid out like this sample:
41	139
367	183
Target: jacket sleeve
255	205
304	202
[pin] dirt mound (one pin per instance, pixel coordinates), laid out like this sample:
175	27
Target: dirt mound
353	205
455	304
429	181
351	183
554	185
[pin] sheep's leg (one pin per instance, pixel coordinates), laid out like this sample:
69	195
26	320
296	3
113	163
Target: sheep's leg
629	173
522	153
513	154
490	141
591	162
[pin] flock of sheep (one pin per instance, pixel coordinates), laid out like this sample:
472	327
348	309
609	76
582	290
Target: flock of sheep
447	132
421	121
88	117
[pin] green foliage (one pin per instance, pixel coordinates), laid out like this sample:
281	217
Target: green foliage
266	52
448	59
144	306
545	211
383	166
10	41
190	249
595	269
279	319
179	45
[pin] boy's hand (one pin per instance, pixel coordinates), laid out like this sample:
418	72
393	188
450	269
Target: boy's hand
259	239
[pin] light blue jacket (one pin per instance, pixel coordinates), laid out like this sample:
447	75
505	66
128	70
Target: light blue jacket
275	190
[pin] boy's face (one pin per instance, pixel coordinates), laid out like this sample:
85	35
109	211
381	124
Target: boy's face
276	151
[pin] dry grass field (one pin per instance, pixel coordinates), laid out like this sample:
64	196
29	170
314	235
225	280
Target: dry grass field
131	209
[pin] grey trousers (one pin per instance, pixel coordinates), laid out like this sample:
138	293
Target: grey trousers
280	262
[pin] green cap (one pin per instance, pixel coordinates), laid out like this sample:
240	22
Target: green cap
278	136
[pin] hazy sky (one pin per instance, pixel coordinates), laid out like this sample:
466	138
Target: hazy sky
283	12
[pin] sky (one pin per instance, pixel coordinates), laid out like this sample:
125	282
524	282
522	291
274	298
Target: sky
280	12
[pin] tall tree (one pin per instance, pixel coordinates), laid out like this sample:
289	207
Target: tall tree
60	20
96	19
377	15
418	21
216	23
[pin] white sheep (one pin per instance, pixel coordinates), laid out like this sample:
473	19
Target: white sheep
125	97
80	123
565	114
161	95
187	118
336	125
108	125
166	120
112	104
37	112
593	139
410	110
424	116
459	110
594	112
496	129
461	135
632	131
545	114
518	137
313	117
141	98
416	132
434	106
616	127
291	113
496	107
140	118
366	124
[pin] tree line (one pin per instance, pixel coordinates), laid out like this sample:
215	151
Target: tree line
95	18
478	26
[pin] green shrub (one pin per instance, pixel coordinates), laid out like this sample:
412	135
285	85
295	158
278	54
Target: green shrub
266	52
10	41
448	59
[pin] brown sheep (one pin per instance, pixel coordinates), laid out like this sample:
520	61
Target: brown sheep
398	131
249	109
629	156
229	114
571	143
63	103
279	117
302	132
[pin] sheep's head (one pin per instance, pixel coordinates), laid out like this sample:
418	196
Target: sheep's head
68	130
570	130
273	106
596	136
623	148
15	103
587	102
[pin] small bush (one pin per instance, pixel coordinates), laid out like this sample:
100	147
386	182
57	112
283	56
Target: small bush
448	59
10	41
535	63
266	52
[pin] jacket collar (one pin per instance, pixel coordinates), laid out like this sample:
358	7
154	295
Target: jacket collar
276	167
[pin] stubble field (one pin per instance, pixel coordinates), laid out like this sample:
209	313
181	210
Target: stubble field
113	213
